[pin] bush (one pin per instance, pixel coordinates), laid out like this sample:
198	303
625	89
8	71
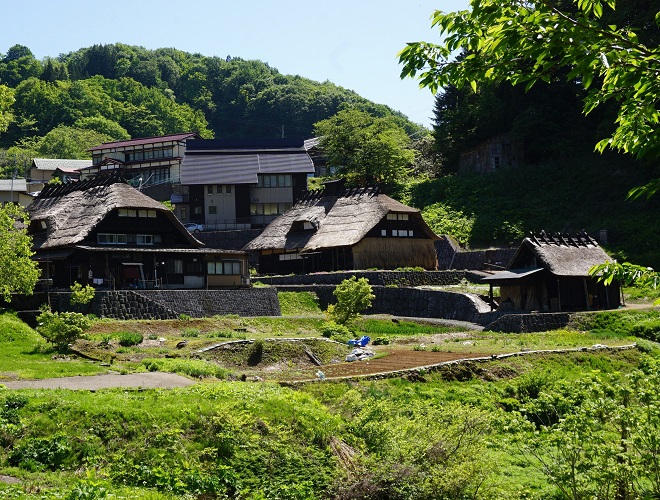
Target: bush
649	330
335	331
381	341
82	294
353	296
61	329
127	339
190	332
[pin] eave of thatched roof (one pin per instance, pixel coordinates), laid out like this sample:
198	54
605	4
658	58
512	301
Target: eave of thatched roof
342	220
564	256
70	218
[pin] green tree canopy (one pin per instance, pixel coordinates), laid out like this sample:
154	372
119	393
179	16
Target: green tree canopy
18	272
6	102
533	41
364	148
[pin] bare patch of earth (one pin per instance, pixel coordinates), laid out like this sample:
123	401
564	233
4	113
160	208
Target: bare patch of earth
394	360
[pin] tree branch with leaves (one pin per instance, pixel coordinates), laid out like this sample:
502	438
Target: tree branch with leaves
527	41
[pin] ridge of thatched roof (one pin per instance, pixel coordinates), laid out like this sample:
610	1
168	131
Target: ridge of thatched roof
565	255
73	210
337	220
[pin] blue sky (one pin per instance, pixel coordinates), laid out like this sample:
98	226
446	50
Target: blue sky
351	43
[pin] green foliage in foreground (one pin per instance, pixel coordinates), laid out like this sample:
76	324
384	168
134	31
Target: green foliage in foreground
25	354
481	437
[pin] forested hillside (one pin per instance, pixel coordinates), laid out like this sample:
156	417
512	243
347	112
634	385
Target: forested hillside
60	106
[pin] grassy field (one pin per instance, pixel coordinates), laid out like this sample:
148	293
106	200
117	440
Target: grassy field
475	430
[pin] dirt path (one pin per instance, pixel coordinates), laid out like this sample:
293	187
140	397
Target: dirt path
148	380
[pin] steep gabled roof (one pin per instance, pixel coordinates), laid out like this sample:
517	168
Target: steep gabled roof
337	220
140	141
562	255
72	211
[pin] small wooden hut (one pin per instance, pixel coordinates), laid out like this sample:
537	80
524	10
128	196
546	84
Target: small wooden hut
551	273
339	229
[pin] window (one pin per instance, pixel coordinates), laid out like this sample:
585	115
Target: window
290	256
227	267
197	210
142	213
213	210
209	189
383	232
272	181
184	213
175	266
127	212
106	239
122	239
144	239
228	189
269	208
392	216
151	214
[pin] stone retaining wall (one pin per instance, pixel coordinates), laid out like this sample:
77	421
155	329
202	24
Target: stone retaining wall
170	304
412	302
532	322
382	278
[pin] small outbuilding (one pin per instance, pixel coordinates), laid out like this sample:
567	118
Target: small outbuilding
551	273
339	228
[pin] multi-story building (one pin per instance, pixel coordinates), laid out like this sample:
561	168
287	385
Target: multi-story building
240	184
152	164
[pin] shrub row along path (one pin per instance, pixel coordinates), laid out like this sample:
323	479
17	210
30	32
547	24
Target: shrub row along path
149	380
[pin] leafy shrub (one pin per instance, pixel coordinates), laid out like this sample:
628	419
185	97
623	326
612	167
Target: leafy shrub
353	296
61	329
335	331
82	294
381	341
190	332
649	330
184	317
38	453
191	367
127	339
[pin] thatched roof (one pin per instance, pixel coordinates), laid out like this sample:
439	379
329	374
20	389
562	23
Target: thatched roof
341	219
73	210
563	255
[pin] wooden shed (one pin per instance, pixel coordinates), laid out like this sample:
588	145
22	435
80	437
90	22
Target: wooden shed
551	273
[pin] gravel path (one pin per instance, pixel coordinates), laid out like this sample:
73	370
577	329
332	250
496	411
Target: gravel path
149	380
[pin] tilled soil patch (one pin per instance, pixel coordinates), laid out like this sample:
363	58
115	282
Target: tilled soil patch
394	361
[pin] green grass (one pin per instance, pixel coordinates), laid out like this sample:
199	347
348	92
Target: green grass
404	328
25	354
298	303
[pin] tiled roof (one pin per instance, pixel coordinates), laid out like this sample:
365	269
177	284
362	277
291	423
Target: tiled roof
146	140
54	163
17	185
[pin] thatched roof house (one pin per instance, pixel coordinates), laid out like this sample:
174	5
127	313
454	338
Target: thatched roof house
552	273
339	228
104	232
